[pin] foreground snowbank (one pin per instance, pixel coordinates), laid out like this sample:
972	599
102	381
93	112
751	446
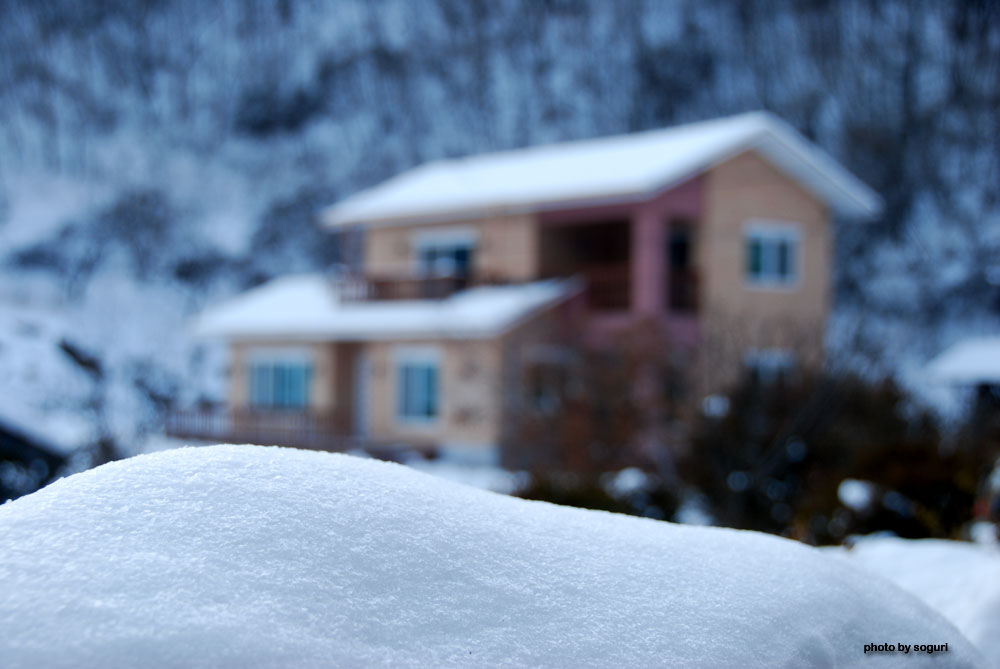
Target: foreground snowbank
960	580
249	556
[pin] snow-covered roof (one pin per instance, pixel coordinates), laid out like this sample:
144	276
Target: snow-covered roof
612	169
243	556
309	307
970	361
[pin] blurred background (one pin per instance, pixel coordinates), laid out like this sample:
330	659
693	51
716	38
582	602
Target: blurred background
158	157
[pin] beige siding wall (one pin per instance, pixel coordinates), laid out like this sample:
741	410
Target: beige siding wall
735	315
507	247
469	393
323	355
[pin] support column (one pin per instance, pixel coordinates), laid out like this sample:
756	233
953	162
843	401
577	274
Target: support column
648	256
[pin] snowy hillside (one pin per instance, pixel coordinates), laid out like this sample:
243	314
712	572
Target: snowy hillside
156	157
249	556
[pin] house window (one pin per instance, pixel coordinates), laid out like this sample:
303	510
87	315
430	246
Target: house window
280	384
418	386
547	383
769	366
446	252
548	377
772	251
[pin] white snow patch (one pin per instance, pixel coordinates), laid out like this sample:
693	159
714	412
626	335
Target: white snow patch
484	477
248	556
970	361
309	306
626	482
961	580
856	495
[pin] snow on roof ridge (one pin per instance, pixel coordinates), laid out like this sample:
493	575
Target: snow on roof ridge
968	361
567	173
760	116
256	556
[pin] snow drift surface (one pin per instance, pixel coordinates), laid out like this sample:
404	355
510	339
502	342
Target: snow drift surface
249	556
960	580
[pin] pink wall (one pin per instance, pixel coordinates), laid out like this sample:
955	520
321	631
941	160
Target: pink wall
650	221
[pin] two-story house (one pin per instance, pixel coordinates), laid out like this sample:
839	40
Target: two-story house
466	272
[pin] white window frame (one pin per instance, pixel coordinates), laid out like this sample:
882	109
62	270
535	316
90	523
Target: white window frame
772	233
452	237
271	358
418	356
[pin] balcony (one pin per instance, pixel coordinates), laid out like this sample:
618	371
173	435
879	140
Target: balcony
382	288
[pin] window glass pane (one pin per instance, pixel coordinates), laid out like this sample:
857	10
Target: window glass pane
418	391
259	385
782	269
463	260
405	391
754	257
430	401
296	385
280	385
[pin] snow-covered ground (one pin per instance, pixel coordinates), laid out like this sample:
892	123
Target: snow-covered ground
251	556
960	580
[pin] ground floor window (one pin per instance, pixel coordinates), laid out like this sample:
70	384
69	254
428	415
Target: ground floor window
767	366
418	385
280	383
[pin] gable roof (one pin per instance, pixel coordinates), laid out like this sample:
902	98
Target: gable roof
624	168
308	308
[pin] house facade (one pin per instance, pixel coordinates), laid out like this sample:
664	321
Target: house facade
468	278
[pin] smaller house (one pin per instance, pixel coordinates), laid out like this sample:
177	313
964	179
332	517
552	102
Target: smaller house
972	363
317	365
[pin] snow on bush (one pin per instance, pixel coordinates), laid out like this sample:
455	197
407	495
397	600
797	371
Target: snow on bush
249	556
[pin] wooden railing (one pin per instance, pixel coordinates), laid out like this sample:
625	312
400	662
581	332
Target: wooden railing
298	429
609	287
376	288
301	429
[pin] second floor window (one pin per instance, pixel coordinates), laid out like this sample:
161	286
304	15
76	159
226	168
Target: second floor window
445	251
446	259
772	254
280	384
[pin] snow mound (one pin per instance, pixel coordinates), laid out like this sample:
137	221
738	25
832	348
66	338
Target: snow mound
249	556
961	580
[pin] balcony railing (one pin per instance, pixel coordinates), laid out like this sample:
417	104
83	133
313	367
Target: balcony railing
609	287
377	288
